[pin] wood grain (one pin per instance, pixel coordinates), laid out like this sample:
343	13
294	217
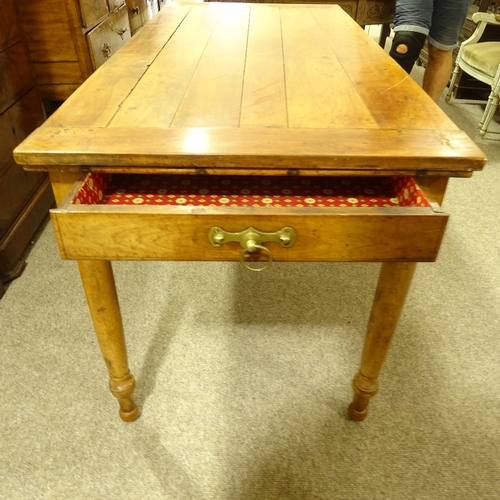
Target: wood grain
181	233
319	91
93	11
10	28
16	77
262	86
392	288
264	92
100	290
213	96
268	148
63	182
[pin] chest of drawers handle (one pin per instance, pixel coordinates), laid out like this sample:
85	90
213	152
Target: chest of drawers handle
106	50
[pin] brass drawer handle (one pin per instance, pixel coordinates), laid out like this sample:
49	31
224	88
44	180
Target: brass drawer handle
119	31
106	50
255	248
252	240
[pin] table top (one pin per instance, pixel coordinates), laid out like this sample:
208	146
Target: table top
251	88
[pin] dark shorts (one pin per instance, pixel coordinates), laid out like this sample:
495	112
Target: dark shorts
441	20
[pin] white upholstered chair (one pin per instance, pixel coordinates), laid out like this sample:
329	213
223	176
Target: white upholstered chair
481	60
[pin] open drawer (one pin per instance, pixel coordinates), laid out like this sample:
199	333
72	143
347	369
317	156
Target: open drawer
170	217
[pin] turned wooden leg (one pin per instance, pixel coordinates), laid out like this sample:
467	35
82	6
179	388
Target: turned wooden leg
99	285
393	284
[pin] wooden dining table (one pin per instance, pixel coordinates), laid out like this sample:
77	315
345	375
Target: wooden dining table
256	133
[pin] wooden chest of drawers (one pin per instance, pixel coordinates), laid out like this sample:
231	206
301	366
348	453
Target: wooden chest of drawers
139	11
25	197
69	39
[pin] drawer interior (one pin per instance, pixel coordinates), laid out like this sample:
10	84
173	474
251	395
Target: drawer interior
249	191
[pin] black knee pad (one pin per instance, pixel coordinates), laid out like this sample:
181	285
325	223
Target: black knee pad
414	41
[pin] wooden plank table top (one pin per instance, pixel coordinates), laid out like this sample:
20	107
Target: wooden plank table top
232	86
250	89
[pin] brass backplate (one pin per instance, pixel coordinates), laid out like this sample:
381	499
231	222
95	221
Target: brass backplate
285	236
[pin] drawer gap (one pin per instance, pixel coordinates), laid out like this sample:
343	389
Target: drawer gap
249	191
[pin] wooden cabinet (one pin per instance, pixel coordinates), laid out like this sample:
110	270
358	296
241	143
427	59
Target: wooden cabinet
25	197
69	39
106	38
139	11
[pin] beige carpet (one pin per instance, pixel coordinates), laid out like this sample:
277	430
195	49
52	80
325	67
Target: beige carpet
244	378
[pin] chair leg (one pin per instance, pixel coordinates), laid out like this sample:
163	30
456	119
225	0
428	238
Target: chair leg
384	34
454	77
488	112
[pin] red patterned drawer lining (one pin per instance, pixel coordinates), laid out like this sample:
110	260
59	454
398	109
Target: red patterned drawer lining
249	191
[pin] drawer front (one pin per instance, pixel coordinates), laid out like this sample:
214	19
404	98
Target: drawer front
115	4
26	115
16	188
16	77
10	29
17	123
109	36
180	232
325	235
137	13
7	141
93	11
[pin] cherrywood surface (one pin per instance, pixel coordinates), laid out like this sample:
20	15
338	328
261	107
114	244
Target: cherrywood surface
279	86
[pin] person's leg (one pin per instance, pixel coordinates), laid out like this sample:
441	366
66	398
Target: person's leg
406	47
447	21
412	23
438	71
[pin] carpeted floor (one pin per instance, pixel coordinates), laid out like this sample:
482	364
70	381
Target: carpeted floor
244	378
